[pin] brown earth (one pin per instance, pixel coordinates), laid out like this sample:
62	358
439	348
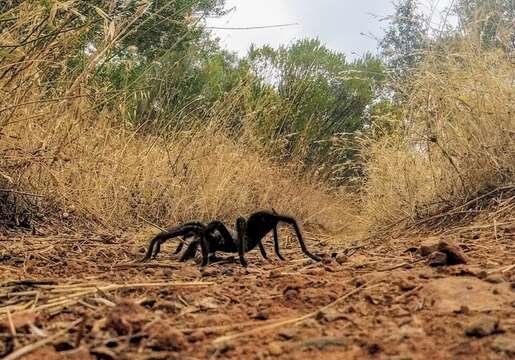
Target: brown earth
80	297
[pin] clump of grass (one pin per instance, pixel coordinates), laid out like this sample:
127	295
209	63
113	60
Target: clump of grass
454	141
90	166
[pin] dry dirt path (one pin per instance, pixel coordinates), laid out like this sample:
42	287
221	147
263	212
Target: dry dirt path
72	297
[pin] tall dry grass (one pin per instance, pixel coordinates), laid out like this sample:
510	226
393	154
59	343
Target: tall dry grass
84	163
454	141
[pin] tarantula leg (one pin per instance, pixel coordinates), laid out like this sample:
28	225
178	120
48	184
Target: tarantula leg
293	222
242	240
180	246
150	251
191	250
204	247
263	251
183	230
276	244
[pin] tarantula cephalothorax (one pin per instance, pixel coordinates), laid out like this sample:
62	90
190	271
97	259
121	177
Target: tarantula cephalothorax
215	237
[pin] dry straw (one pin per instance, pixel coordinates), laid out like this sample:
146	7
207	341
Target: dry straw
455	141
87	164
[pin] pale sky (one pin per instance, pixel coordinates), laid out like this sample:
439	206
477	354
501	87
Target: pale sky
344	25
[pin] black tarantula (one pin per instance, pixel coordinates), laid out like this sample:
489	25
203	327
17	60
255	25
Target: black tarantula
216	237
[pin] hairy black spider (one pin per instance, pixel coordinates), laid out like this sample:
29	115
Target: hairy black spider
215	237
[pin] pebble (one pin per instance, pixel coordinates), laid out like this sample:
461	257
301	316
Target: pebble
288	333
465	310
483	326
261	315
454	254
330	315
494	279
407	331
290	294
309	323
406	285
275	348
341	259
437	259
427	248
324	342
505	344
222	347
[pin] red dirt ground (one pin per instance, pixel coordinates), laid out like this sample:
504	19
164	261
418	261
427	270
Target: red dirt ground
77	297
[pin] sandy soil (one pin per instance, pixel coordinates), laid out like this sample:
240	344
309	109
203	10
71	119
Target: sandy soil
79	297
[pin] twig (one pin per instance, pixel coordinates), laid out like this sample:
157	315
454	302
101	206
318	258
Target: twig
146	265
31	347
21	192
407	263
251	27
28	282
80	332
407	293
150	223
11	324
502	270
275	325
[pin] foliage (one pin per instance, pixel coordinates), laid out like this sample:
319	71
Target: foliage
405	38
491	20
325	96
79	161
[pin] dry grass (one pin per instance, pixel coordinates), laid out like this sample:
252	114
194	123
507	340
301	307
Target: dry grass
88	165
455	142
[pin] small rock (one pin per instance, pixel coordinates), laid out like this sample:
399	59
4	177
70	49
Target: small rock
309	323
463	310
261	315
227	272
287	334
407	331
165	337
406	285
482	274
494	279
505	344
221	347
207	303
324	342
428	247
484	326
437	258
329	315
373	348
275	348
127	317
341	258
290	293
454	254
208	272
319	271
